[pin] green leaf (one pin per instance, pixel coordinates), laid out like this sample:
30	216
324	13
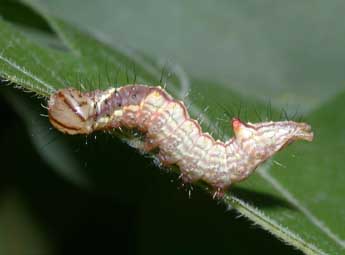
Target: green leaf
301	203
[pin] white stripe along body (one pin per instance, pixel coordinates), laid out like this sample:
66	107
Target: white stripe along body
168	127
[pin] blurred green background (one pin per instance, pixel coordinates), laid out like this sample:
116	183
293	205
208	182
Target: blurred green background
288	52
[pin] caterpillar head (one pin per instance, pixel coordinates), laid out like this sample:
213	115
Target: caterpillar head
69	111
262	140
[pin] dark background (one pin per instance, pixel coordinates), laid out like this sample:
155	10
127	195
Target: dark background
129	208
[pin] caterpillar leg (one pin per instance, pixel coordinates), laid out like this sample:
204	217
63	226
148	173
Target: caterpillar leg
165	159
150	144
219	193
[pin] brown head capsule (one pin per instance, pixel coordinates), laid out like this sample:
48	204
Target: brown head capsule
71	111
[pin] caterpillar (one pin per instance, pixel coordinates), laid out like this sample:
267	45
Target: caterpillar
168	128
